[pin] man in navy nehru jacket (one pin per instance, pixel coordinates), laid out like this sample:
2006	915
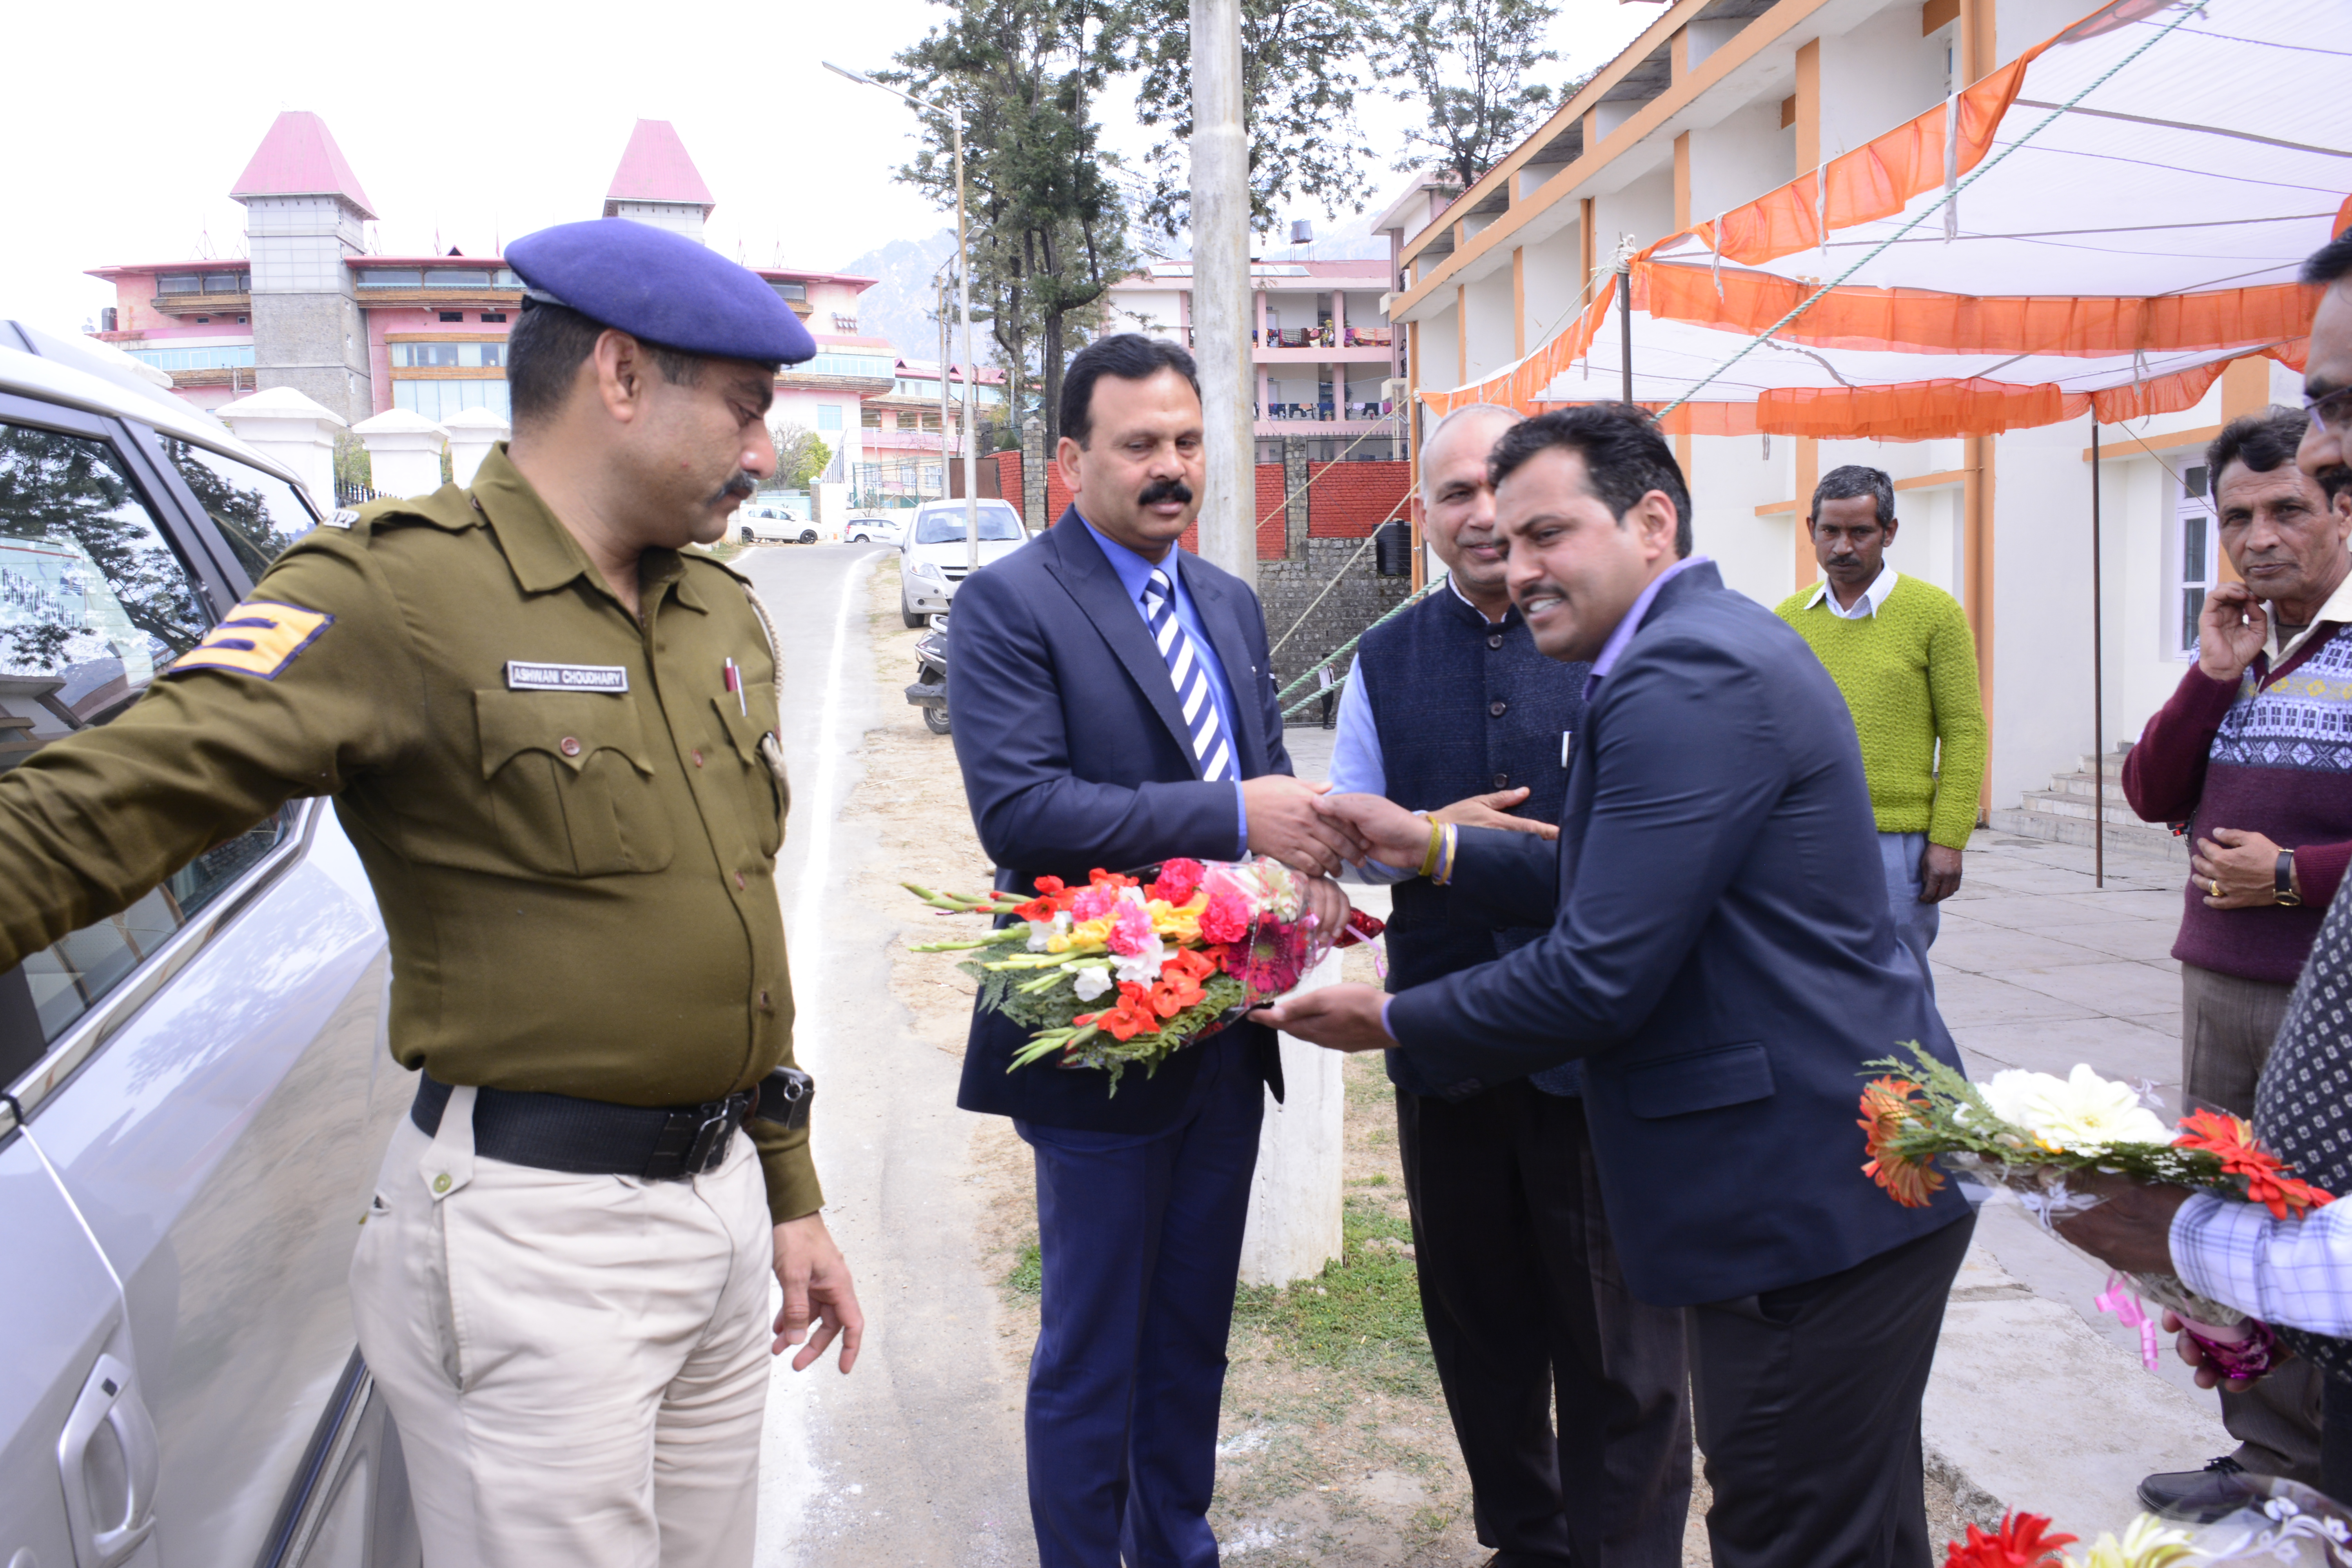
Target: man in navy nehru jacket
1452	709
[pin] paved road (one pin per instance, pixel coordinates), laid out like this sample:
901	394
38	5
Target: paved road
915	1459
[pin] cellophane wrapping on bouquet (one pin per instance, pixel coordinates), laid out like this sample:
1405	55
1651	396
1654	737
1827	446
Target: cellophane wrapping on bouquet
2037	1135
1126	970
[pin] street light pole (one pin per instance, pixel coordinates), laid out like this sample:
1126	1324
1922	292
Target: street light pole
964	306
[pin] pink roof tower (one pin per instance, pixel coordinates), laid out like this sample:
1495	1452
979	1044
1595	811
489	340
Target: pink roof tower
657	184
303	213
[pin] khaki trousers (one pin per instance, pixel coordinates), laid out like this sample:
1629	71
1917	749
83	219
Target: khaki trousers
578	1365
2227	1024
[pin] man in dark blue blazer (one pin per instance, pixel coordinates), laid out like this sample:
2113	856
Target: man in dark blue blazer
1115	707
1721	959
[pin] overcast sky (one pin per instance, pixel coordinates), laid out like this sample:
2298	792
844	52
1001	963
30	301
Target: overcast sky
469	129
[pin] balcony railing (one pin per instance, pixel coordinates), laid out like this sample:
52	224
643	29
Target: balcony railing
1323	410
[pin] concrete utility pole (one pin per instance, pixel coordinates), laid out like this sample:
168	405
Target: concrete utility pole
1220	289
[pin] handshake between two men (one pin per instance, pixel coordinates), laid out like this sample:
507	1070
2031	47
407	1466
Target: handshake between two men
1312	830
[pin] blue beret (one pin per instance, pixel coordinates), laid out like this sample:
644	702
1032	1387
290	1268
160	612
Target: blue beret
660	287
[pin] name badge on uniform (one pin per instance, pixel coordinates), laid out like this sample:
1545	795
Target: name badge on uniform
522	676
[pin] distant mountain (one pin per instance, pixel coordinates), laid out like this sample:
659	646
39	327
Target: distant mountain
899	306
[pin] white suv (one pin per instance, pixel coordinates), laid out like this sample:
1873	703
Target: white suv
937	556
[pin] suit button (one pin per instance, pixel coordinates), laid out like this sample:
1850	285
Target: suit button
1496	708
1494	639
569	746
1502	781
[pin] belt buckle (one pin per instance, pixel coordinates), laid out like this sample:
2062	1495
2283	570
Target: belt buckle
710	1136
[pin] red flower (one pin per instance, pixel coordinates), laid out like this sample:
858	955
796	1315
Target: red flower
1179	880
1227	917
2020	1544
1176	990
1191	963
1111	880
1132	1016
2231	1140
1052	895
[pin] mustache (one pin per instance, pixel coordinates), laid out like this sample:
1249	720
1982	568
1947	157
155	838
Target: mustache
740	487
1160	490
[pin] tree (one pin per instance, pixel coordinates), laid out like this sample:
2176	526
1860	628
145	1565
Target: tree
1047	225
1300	66
801	457
1467	63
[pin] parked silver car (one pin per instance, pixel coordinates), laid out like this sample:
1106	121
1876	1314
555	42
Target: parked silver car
197	1091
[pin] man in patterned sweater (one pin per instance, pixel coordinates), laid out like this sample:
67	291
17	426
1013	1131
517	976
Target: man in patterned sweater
2252	750
1903	657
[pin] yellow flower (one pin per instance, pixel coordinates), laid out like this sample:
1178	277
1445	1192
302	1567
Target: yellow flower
1087	936
2147	1542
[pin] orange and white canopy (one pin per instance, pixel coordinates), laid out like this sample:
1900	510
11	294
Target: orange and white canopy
2102	224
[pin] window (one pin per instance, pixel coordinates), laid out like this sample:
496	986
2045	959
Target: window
180	283
2199	555
504	277
944	524
453	315
457	277
216	356
391	278
791	290
454	355
494	315
436	400
93	602
828	416
869	418
879	367
842	323
226	283
259	513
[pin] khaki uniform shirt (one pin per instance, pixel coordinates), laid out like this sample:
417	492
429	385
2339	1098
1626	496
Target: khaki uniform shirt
567	818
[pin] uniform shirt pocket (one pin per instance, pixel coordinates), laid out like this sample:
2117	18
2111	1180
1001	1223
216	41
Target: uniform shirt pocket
571	782
766	794
1700	1080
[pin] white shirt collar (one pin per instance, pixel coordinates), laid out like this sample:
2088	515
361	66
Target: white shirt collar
1456	590
2337	611
1868	605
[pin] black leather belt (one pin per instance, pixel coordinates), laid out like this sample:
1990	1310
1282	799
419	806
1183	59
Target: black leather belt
592	1137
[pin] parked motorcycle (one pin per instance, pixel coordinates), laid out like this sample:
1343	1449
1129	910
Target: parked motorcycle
929	692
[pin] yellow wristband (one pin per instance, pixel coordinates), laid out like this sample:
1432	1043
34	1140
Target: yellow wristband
1436	848
1445	872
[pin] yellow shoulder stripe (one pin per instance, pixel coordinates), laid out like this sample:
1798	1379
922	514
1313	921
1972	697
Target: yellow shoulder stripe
259	638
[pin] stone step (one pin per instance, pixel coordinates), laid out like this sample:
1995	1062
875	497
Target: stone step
2083	807
2084	785
2036	819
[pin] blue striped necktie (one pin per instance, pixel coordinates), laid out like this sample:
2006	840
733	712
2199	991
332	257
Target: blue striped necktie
1190	675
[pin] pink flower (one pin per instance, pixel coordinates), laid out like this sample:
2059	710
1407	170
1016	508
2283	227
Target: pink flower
1271	965
1227	917
1179	880
1130	930
1094	904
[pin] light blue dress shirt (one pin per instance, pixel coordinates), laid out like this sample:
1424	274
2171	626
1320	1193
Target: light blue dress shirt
1614	648
1135	576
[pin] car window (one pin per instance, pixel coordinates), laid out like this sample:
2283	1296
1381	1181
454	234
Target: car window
93	602
259	513
940	525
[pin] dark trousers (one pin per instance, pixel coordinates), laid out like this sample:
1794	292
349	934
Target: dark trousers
2227	1024
2335	1440
1808	1406
1141	1239
1525	1305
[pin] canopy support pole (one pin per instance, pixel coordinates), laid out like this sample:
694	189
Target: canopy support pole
1625	324
2098	687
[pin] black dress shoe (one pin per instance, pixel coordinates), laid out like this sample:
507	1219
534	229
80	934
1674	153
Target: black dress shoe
2201	1497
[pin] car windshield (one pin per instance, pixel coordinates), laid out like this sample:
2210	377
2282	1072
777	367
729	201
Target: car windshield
945	525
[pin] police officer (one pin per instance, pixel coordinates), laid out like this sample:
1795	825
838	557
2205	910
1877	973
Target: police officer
549	730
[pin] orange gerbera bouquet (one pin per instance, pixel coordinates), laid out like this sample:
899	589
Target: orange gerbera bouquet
1124	971
2037	1134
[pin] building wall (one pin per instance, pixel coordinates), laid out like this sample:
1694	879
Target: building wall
307	329
1285	587
1740	157
1878	74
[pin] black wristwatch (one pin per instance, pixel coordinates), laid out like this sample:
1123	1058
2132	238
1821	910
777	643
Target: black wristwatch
2283	890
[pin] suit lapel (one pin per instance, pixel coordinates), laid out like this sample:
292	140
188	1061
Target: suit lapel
1077	562
1223	619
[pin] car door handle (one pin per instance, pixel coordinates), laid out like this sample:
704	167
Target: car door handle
108	1400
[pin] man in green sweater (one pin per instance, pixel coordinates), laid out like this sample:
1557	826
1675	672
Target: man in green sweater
1900	651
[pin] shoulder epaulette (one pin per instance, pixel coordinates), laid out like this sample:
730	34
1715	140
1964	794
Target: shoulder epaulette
448	508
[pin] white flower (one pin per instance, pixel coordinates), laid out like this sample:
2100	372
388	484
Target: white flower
1142	967
1091	981
2081	1114
1042	932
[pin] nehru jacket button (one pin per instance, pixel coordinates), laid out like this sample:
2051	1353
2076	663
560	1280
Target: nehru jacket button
1494	639
738	881
698	756
1502	781
1496	708
569	745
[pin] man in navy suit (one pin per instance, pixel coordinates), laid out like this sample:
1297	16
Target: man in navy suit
1115	707
1721	959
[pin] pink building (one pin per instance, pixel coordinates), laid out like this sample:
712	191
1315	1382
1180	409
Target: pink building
426	333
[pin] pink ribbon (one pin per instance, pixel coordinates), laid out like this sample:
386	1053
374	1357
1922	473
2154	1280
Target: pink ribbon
2121	1300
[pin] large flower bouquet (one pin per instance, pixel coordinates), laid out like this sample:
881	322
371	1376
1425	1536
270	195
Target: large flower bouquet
1126	971
2281	1523
2037	1135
